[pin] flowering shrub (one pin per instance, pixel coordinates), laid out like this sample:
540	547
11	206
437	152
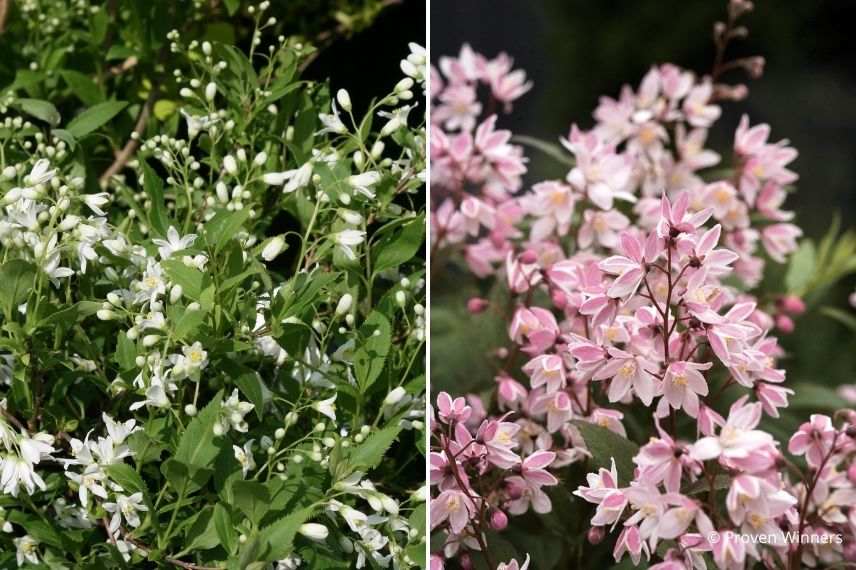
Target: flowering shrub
212	300
632	296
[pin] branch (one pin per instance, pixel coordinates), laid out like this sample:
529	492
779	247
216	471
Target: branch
4	12
133	143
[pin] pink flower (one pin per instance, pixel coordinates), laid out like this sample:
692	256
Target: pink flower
814	439
772	397
500	438
450	410
633	265
454	506
527	486
683	384
676	220
738	440
557	406
780	240
546	369
603	227
512	565
625	371
729	552
510	392
663	459
630	541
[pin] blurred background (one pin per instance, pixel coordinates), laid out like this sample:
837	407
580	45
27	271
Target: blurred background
577	50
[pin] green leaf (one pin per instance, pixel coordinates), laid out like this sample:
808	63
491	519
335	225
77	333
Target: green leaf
401	245
190	278
252	498
184	476
197	445
250	384
124	475
232	6
844	317
552	150
604	445
164	109
72	314
202	535
801	268
153	186
370	357
42	110
82	86
814	397
95	117
225	528
279	536
224	226
16	281
369	454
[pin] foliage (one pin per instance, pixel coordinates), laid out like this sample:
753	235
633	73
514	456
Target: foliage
212	295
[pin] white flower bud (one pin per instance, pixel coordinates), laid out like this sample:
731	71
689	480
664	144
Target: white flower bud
175	293
105	314
344	304
400	298
344	99
314	531
211	91
132	333
190	410
260	158
273	248
279	433
394	396
230	164
150	340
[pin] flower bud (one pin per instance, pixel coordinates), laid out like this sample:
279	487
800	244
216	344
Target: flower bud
150	340
785	324
498	520
344	304
279	433
211	91
344	99
190	410
792	304
476	305
105	314
314	531
274	247
394	396
175	293
595	535
400	298
230	164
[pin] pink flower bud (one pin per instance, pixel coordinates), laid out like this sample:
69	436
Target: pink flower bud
785	324
528	257
559	299
792	304
436	562
595	534
498	520
476	305
466	561
850	551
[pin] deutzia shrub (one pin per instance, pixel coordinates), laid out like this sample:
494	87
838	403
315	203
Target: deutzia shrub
212	299
640	368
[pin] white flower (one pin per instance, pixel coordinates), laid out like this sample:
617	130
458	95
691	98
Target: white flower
173	242
332	123
27	550
155	396
363	183
152	285
395	120
273	248
326	407
347	239
233	411
294	179
245	457
90	481
16	472
95	201
314	531
192	360
126	507
119	431
41	173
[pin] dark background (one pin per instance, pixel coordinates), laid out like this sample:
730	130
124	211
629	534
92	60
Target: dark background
366	64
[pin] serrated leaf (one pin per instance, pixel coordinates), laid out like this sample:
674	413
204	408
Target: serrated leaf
369	454
279	536
252	498
202	535
95	117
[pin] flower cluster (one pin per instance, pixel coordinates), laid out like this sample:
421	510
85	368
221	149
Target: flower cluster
213	337
631	285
